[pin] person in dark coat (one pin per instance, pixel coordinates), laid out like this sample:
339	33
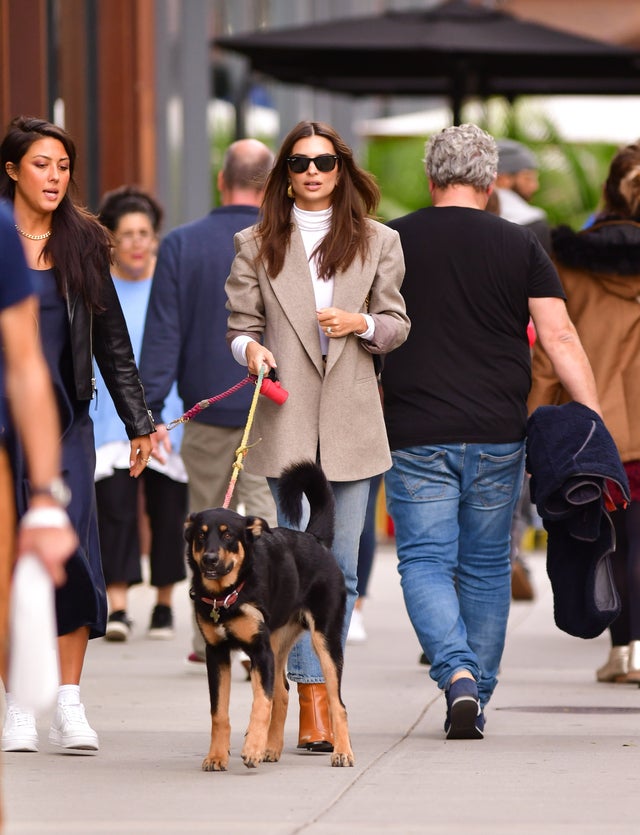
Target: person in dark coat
600	270
68	253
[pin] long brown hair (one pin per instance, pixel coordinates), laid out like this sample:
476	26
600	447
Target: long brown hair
622	186
79	244
356	196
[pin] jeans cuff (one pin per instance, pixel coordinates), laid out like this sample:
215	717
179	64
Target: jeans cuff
297	678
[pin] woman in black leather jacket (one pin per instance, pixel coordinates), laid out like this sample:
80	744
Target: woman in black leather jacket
68	253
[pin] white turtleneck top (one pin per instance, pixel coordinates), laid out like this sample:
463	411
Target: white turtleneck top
313	227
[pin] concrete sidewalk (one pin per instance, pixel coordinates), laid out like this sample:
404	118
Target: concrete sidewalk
560	753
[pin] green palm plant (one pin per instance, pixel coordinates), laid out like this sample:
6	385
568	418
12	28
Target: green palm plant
571	173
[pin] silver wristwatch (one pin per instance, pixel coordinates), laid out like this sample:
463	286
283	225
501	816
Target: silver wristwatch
56	489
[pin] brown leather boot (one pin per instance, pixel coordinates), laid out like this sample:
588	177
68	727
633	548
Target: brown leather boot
315	726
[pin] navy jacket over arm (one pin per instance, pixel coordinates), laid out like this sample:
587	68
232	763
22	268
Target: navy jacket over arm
571	456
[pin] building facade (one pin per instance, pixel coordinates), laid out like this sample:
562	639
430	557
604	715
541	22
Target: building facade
133	81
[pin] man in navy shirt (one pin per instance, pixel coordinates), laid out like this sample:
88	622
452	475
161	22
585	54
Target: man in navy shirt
184	341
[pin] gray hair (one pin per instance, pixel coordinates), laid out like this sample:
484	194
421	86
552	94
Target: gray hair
461	155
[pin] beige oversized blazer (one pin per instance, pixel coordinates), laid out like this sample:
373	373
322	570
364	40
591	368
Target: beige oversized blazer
333	409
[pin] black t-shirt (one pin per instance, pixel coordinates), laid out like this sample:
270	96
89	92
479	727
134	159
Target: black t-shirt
464	373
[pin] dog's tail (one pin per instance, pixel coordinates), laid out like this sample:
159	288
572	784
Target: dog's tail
308	478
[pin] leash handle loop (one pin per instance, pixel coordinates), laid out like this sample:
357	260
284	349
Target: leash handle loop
243	448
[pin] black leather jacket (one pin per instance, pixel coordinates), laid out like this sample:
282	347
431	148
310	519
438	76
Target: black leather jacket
104	335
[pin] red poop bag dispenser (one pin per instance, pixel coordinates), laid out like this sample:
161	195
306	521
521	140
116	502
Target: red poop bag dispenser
272	389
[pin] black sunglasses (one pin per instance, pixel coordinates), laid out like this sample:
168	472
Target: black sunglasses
324	163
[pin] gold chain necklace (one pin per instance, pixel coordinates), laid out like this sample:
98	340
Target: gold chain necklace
24	234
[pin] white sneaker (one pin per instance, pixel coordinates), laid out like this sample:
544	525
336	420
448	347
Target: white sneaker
19	732
71	730
356	633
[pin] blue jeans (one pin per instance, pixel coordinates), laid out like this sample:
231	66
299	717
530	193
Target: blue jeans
351	504
452	506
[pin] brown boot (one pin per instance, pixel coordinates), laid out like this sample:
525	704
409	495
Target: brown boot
315	726
521	588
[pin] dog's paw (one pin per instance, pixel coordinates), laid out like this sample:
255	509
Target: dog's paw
342	759
251	760
214	764
272	755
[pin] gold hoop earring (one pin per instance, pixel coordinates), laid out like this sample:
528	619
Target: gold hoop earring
290	193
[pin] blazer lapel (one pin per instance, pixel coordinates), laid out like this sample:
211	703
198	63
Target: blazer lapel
294	290
350	289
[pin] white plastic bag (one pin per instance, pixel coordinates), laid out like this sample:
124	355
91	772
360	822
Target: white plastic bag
34	670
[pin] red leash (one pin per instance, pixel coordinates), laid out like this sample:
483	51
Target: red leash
269	386
204	404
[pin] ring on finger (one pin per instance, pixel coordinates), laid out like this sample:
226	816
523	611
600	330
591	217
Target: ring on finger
329	331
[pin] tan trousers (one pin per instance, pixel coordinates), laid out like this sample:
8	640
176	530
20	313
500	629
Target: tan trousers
209	453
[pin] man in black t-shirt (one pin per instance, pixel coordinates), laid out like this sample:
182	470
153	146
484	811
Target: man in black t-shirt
455	408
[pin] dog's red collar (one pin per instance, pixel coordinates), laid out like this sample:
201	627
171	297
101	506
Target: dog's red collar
222	602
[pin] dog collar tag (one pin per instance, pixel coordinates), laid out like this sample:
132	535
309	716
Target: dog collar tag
224	603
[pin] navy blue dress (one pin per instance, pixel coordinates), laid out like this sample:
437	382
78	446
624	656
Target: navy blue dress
82	601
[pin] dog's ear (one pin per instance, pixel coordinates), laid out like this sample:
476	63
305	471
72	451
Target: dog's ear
188	526
255	526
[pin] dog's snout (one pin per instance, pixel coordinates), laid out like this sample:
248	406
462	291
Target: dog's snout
209	559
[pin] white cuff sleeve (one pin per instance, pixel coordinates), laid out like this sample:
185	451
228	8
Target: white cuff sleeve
239	348
371	328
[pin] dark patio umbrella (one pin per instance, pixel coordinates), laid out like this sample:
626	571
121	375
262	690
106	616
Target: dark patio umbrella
455	50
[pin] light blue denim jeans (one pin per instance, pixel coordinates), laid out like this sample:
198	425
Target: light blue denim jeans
351	505
452	506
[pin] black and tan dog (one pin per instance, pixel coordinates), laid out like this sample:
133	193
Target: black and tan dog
257	588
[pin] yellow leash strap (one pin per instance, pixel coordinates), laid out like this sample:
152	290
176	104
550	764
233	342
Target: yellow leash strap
243	448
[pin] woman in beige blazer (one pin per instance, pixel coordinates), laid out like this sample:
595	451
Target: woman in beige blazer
314	292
